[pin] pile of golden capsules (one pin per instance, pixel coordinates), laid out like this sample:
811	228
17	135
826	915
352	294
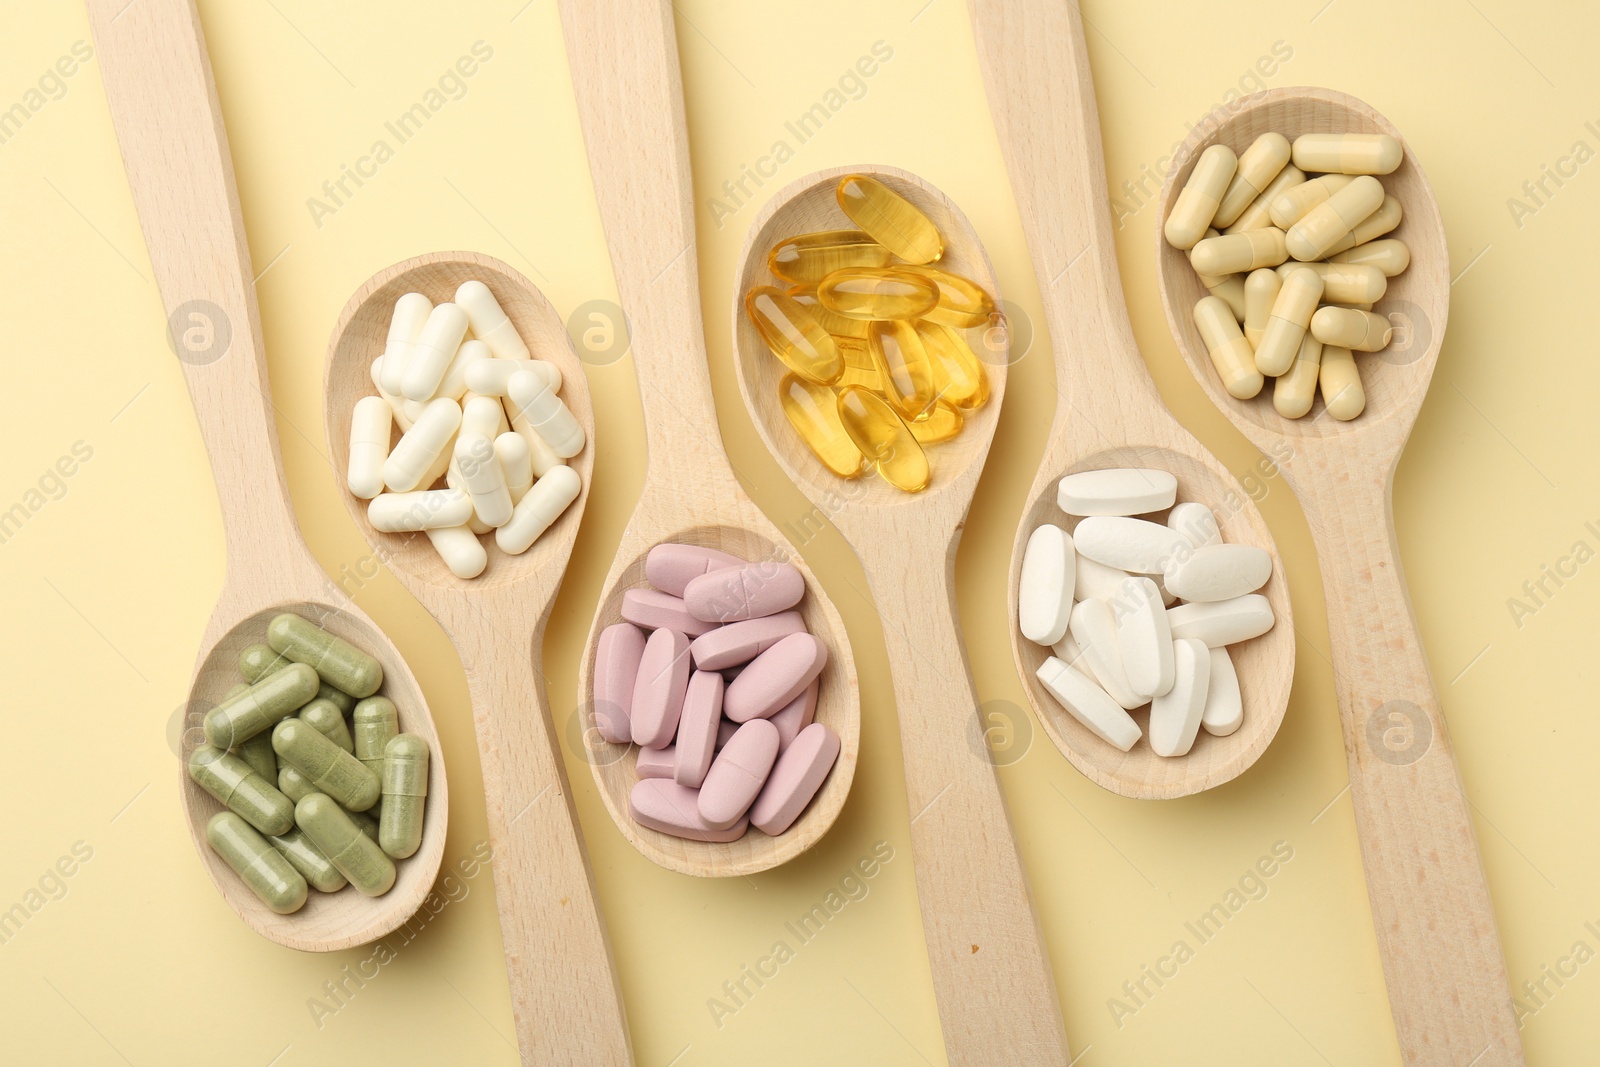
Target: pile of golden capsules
871	335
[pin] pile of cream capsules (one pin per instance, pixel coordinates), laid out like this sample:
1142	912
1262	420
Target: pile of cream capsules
720	696
477	411
1298	260
302	786
871	335
1138	602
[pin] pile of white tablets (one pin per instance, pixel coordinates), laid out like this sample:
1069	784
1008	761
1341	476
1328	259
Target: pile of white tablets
474	409
1138	601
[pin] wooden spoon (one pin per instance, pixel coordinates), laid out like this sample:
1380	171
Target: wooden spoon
564	991
164	109
1430	902
630	100
1040	91
983	935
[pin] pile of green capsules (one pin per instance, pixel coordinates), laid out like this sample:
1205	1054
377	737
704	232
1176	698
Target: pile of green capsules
312	800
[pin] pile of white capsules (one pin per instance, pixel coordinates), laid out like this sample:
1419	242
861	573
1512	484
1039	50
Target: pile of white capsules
477	411
1138	602
1315	266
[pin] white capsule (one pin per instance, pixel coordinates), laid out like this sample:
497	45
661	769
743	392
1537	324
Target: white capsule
397	404
535	512
453	479
412	409
426	509
1120	491
1089	704
1196	522
1135	545
1222	622
433	350
1144	639
1044	593
1220	572
489	322
1224	710
410	312
536	402
1175	716
460	549
492	377
483	416
422	446
454	382
516	462
1096	633
370	423
483	479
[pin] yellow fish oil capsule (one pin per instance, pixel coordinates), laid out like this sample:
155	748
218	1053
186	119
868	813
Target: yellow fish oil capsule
895	222
259	708
257	863
1375	225
884	440
1359	331
1345	283
836	324
958	374
793	334
240	789
326	718
329	768
1260	291
1291	205
807	258
813	411
1197	204
355	854
1239	253
405	790
963	303
1230	352
1255	170
942	423
1258	216
1391	256
1295	391
878	293
1340	383
859	369
1347	153
1335	218
318	871
902	363
1286	326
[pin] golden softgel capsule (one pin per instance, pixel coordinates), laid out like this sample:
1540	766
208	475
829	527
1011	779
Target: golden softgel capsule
874	293
902	363
807	258
958	374
813	411
833	322
884	439
891	219
962	301
793	334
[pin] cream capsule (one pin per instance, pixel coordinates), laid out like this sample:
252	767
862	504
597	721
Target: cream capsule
410	313
1238	253
433	350
370	423
1331	221
421	447
1258	216
1340	383
460	550
1345	283
1202	194
1291	205
491	376
1391	256
405	791
538	509
329	768
516	463
489	322
1291	315
1359	331
355	854
1347	153
268	874
1375	225
536	402
1230	352
237	787
1228	287
1260	290
1295	391
1256	169
483	479
454	382
424	509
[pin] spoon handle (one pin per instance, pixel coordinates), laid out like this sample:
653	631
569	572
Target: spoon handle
1425	882
991	977
164	108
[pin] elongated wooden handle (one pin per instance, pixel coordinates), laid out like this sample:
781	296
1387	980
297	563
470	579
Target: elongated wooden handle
164	109
1430	902
564	993
991	977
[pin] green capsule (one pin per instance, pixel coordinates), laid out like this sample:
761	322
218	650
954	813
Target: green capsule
329	768
256	709
373	723
329	722
257	752
405	790
258	661
237	787
314	866
339	663
293	784
366	822
355	854
263	868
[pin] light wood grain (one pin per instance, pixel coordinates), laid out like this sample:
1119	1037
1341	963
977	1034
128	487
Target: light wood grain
1109	414
164	108
991	975
1430	902
564	994
624	62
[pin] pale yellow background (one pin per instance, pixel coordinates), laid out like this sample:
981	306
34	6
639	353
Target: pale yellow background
108	587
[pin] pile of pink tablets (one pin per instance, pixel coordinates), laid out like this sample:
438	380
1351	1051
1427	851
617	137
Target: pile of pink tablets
719	695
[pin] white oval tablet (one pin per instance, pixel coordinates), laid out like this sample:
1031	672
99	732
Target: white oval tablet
1224	710
1096	579
1120	491
1089	704
1135	545
1196	522
1220	572
1221	622
1144	638
1175	716
1096	633
1049	577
